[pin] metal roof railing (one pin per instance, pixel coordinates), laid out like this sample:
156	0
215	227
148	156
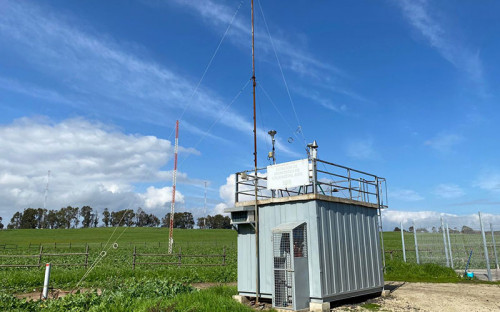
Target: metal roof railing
325	178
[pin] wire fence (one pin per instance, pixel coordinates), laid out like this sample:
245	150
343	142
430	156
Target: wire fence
5	247
464	245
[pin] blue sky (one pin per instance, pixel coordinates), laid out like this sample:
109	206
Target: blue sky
91	90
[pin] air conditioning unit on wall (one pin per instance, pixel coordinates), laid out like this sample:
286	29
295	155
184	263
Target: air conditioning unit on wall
242	216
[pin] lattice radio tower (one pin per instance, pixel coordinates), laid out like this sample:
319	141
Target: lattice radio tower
172	207
46	190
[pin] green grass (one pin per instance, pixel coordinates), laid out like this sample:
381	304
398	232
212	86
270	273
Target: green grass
411	272
152	288
95	236
371	306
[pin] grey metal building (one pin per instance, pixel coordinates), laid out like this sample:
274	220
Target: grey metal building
319	242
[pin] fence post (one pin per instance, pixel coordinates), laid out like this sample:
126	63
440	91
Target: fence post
180	256
403	242
449	244
486	256
86	255
494	245
416	242
133	260
40	256
224	257
444	242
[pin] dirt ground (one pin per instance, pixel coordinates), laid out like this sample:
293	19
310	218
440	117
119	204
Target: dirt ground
432	297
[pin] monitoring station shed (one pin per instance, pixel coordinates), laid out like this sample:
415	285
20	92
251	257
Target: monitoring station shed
318	230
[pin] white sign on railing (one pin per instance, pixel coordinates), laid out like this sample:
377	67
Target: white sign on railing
289	174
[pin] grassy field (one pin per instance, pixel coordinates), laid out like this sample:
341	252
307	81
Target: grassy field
147	288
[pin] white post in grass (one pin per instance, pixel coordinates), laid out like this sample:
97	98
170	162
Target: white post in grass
445	244
403	241
45	292
449	244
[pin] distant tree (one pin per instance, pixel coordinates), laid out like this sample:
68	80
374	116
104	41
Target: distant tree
1	224
141	217
52	219
410	229
182	220
86	214
153	221
15	221
29	219
218	222
106	217
69	217
41	218
434	230
467	230
187	220
396	229
201	222
123	217
95	219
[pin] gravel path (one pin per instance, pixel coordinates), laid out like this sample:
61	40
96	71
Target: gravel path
435	297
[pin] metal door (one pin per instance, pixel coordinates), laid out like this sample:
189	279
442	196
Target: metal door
283	270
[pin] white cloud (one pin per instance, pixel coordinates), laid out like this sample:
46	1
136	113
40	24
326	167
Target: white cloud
90	163
109	77
489	182
418	13
226	191
444	142
159	197
219	209
449	191
361	149
405	195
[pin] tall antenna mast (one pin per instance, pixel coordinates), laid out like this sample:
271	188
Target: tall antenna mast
172	206
257	284
46	190
205	208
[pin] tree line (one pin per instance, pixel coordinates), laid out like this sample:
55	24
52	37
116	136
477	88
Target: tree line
86	217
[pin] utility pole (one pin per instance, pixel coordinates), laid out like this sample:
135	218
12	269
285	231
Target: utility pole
205	208
257	267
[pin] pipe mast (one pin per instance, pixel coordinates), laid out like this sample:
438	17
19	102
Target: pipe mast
46	190
257	255
172	206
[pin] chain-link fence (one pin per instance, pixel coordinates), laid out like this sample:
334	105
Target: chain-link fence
470	244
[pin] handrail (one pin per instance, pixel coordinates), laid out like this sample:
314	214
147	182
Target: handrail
359	185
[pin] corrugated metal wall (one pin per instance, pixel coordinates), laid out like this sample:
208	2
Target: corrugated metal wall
279	213
246	259
343	246
349	248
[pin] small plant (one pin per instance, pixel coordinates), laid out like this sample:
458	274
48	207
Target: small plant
371	306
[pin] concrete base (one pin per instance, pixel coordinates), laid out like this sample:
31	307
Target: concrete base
241	299
319	306
385	293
